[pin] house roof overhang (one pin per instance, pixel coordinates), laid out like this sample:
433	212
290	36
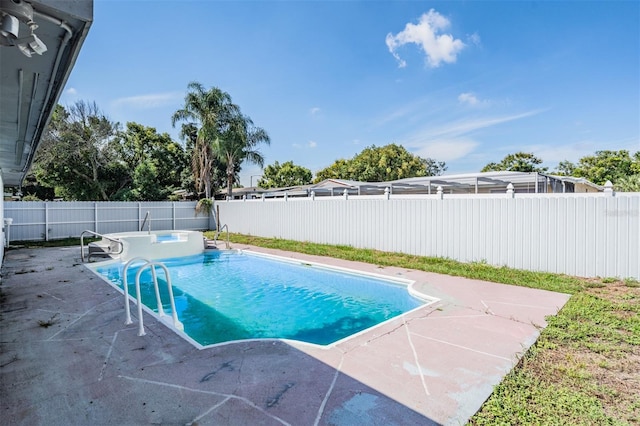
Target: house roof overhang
31	86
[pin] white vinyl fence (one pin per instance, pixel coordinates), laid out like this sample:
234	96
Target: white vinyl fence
577	234
40	221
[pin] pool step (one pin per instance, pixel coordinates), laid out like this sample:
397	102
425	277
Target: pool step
100	249
210	245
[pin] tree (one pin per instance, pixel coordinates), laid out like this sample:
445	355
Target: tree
76	154
628	183
604	166
192	177
145	184
518	162
237	143
205	114
434	168
381	164
565	168
154	160
338	170
283	175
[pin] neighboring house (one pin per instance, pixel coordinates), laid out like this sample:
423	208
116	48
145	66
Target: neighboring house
39	43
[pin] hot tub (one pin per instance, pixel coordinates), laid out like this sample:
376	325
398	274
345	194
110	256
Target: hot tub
158	244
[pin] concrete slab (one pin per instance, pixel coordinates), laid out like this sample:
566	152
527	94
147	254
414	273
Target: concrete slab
66	356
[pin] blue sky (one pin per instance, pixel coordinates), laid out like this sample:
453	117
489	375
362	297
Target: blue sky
465	82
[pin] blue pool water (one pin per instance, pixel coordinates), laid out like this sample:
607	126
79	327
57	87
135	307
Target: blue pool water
225	296
163	238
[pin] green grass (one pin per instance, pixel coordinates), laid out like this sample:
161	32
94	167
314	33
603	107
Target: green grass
579	370
64	242
583	370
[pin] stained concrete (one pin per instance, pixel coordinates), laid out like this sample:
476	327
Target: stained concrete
66	356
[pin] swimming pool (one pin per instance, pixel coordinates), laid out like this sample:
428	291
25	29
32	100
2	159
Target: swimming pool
223	296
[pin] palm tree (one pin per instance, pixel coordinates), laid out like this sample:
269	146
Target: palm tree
238	143
205	113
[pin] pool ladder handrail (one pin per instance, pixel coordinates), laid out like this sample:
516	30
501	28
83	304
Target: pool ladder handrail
215	237
146	263
146	216
95	234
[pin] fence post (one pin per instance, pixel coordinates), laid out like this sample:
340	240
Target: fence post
345	194
510	192
313	195
608	188
173	215
46	221
387	193
439	192
95	216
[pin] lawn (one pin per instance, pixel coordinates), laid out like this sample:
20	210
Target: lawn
583	370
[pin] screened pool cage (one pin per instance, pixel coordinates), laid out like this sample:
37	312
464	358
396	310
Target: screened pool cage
471	183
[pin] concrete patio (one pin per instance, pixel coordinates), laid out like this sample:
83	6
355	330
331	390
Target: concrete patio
66	356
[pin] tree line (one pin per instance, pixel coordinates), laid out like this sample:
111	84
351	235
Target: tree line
621	168
85	156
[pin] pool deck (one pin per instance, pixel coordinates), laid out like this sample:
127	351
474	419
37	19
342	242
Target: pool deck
66	356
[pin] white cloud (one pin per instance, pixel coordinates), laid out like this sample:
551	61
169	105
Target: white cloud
314	110
553	153
453	141
468	98
153	100
474	39
71	91
405	111
310	144
447	150
437	47
466	126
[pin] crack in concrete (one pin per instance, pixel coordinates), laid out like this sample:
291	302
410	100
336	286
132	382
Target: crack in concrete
80	317
488	312
487	308
224	395
415	357
194	421
51	295
461	347
106	360
404	322
328	394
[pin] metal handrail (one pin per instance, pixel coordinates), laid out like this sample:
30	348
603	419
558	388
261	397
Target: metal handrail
176	322
146	216
215	237
125	286
95	234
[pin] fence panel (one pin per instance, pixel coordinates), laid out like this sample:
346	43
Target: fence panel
39	221
578	234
